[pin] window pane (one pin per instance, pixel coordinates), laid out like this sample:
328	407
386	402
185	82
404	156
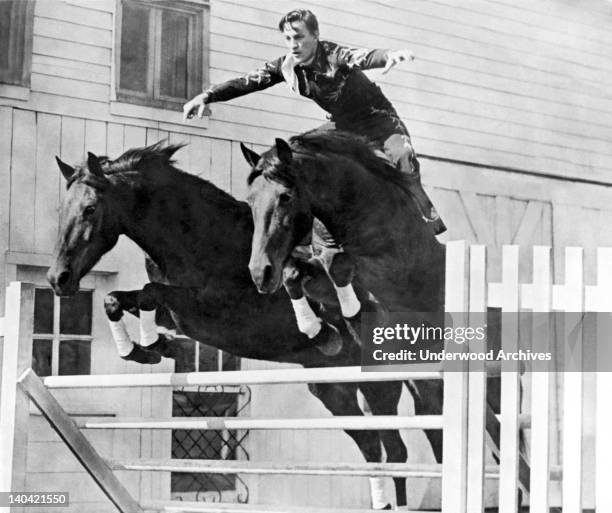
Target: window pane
43	309
41	357
74	357
5	33
134	47
13	18
75	314
174	54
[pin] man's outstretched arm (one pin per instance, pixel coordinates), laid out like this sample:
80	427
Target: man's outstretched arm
364	58
262	78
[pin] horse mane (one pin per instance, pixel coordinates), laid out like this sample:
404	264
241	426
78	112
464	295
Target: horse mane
147	169
323	144
134	158
130	162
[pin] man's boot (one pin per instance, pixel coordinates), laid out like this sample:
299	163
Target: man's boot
399	150
428	211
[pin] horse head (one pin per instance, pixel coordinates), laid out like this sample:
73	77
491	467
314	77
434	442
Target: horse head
87	229
281	214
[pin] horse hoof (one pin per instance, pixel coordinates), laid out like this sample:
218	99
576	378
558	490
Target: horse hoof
328	340
164	346
142	355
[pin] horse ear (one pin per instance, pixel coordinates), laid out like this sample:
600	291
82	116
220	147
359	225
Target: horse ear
251	157
93	164
283	150
171	149
66	170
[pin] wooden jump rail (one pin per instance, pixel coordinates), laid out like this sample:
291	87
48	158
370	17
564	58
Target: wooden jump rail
218	424
251	377
465	414
418	470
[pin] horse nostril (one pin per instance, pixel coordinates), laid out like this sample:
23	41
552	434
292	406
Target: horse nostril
63	278
266	275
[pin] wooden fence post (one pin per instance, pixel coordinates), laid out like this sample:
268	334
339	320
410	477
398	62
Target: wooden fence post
510	384
454	448
14	405
598	298
570	299
538	297
477	403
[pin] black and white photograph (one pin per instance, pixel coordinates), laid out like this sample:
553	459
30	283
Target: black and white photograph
320	256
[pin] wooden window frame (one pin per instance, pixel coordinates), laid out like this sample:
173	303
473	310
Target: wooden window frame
56	336
20	66
197	52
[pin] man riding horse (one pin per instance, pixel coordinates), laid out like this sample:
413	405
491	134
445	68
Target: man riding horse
332	76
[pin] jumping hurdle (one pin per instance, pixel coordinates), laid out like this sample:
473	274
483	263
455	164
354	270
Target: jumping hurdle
17	355
465	414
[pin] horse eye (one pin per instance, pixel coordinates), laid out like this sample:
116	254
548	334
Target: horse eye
89	210
284	197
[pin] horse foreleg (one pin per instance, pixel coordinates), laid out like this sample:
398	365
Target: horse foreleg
118	301
176	299
132	301
323	335
341	399
115	304
383	399
342	272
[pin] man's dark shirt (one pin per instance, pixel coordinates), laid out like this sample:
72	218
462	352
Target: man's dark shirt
335	81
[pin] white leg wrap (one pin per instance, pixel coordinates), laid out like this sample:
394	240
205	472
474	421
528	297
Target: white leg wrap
148	328
121	337
349	304
307	321
377	492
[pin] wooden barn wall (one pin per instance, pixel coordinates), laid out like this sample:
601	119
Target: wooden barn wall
497	83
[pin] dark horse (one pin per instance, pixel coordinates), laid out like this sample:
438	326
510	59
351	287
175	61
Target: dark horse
198	238
364	203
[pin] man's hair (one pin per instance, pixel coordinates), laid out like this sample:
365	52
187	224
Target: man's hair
297	15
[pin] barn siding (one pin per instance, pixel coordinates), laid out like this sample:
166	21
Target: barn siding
497	83
492	83
48	182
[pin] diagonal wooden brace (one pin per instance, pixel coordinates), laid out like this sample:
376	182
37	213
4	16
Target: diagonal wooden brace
68	431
